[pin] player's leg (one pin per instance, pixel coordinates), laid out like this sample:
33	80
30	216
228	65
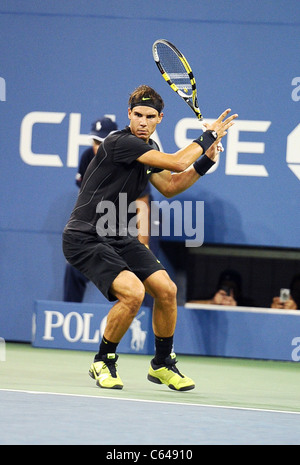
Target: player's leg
163	366
101	262
164	292
129	291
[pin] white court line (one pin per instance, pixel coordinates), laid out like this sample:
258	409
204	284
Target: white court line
228	407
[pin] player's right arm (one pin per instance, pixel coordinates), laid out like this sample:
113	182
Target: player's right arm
170	184
183	158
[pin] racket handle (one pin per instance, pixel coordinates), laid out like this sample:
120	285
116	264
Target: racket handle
220	147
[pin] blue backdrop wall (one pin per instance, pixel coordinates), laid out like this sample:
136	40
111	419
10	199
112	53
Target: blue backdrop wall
63	64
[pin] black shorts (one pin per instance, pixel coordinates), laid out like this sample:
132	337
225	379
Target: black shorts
101	259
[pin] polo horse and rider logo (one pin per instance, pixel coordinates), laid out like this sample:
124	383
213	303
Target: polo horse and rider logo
138	335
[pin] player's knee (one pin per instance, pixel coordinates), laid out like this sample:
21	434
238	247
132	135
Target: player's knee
133	298
169	291
129	290
172	290
138	294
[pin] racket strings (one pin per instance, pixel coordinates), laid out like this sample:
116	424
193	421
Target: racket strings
175	69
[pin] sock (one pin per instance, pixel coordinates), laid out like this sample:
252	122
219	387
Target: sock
106	347
163	348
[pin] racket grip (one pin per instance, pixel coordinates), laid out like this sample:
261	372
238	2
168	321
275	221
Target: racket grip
220	147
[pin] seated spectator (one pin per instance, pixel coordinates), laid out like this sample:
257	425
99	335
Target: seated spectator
293	302
228	291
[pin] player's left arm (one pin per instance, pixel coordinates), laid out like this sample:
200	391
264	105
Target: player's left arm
170	184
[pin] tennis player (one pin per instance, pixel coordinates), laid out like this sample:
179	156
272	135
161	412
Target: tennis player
120	266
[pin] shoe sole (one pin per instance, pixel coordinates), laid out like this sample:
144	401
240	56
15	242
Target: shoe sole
155	380
91	374
117	386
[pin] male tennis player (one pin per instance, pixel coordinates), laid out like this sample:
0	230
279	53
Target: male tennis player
114	260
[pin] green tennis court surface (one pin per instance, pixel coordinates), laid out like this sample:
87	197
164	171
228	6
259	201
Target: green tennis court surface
225	391
219	381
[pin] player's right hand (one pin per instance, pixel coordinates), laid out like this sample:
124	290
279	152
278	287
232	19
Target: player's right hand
221	125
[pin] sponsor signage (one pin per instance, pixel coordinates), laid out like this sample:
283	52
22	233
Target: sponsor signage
240	332
61	325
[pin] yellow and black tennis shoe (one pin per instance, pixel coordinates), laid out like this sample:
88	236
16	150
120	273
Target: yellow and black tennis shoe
105	372
168	374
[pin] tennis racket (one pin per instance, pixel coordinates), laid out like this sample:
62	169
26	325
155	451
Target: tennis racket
177	72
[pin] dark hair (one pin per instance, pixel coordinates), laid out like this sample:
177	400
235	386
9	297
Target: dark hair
295	289
231	276
230	279
146	96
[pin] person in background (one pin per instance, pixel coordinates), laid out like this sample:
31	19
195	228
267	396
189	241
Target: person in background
293	301
228	291
74	281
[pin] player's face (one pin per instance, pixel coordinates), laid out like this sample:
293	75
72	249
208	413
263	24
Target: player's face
143	121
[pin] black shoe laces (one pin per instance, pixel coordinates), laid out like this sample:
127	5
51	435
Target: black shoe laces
171	365
112	366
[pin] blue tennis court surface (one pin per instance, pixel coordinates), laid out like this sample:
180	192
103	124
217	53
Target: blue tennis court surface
46	397
34	418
